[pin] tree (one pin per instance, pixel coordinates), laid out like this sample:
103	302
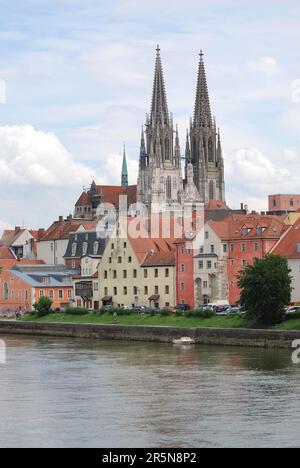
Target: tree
43	306
266	289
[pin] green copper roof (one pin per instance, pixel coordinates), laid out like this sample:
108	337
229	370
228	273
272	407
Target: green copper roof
124	181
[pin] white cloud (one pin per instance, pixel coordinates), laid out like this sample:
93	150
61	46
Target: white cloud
113	170
264	64
259	176
4	225
28	156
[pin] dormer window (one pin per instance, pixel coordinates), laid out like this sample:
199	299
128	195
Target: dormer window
84	248
259	230
246	231
96	245
74	249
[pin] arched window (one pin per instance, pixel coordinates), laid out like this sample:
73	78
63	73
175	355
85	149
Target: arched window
211	190
210	151
169	187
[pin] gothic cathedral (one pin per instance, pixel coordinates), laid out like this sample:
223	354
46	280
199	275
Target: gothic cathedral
160	179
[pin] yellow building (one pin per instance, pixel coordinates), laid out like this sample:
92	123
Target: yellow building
137	271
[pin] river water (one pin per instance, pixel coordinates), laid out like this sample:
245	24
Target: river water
87	393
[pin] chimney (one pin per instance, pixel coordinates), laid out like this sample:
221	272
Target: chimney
69	218
61	219
17	229
242	206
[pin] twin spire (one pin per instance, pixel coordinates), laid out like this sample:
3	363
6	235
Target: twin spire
159	108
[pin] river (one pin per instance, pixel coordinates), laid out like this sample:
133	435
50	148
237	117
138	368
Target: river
87	393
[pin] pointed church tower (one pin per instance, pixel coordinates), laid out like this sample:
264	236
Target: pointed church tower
124	177
160	180
205	144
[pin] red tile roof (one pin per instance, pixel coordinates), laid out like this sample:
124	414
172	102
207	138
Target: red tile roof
287	245
6	253
110	194
61	229
150	251
217	204
232	227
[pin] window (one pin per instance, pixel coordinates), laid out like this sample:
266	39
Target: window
169	188
109	260
298	247
156	290
232	262
231	247
112	246
60	294
167	290
225	248
201	264
115	291
20	295
146	290
167	273
211	190
115	274
205	284
209	264
73	264
244	263
182	268
243	247
119	259
26	295
42	293
156	273
70	293
96	246
125	290
206	235
125	245
291	202
135	273
259	230
74	249
245	231
52	247
135	291
105	274
182	286
96	286
106	291
51	295
129	259
145	273
212	249
255	247
125	274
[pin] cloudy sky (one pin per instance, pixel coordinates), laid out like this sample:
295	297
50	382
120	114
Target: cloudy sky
76	79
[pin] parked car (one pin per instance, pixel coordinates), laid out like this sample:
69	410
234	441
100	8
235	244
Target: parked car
292	310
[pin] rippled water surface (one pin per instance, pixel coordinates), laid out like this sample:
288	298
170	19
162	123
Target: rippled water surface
87	393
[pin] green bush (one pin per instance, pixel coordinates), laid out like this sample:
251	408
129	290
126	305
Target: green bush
204	314
76	311
43	306
166	312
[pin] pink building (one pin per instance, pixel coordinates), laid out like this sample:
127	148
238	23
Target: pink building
284	203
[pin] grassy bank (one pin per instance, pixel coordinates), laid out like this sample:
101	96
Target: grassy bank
144	320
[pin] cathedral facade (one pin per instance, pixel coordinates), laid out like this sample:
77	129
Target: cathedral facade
161	180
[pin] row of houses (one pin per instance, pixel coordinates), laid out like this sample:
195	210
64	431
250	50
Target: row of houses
130	266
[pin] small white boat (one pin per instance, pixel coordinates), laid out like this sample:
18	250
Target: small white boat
185	340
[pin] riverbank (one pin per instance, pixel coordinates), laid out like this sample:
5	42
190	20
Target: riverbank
163	334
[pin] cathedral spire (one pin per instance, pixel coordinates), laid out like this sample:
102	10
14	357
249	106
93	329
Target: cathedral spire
202	114
124	181
159	108
187	148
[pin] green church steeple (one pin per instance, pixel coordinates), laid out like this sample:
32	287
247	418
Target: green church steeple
124	181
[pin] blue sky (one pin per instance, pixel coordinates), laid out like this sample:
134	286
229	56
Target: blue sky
78	79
